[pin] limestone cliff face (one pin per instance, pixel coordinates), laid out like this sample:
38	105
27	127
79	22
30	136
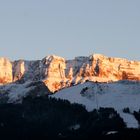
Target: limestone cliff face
54	72
114	69
5	71
58	73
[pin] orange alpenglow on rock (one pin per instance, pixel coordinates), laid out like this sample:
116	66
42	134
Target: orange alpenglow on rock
58	73
5	71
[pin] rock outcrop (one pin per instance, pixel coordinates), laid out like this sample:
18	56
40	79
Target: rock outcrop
58	73
18	69
5	71
54	72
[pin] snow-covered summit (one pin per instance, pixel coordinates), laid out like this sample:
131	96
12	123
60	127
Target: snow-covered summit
52	57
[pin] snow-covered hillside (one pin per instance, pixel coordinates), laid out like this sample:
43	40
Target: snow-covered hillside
118	95
14	93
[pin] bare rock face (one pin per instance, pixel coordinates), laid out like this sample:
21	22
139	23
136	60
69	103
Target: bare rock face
54	72
58	73
18	70
5	71
114	69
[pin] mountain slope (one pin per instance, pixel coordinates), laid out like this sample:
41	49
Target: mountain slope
14	93
118	95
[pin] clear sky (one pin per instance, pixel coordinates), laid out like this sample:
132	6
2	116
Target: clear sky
33	29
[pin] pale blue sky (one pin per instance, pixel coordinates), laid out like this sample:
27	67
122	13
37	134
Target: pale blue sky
33	29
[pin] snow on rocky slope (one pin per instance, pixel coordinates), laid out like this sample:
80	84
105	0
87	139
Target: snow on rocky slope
14	93
118	95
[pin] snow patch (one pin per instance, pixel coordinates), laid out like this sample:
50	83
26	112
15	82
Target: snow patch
75	127
129	119
111	132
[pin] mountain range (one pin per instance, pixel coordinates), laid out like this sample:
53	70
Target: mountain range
95	81
57	73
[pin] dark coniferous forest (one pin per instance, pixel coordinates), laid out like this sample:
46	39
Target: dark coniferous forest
49	118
